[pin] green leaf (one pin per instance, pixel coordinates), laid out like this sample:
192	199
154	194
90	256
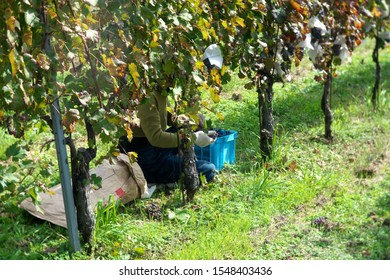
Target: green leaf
96	180
31	17
186	16
15	151
169	67
27	164
175	20
33	194
91	2
10	178
146	13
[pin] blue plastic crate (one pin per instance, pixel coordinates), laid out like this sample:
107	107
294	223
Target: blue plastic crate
222	151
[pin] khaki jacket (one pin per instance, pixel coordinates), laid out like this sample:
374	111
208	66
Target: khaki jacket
153	120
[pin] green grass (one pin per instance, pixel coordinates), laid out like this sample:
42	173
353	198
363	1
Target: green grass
253	211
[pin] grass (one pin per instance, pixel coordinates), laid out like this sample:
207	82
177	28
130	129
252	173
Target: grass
312	200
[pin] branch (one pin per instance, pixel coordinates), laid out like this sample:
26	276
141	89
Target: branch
93	68
73	150
46	143
63	32
92	149
94	72
70	8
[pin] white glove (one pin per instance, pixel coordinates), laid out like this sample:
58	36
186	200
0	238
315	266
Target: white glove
202	139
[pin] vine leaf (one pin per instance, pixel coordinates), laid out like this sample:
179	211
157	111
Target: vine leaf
14	65
31	18
134	73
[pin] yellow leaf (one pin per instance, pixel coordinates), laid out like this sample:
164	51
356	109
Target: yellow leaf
1	115
50	192
213	33
240	4
220	116
216	76
132	156
115	153
225	24
115	253
82	58
224	69
129	132
169	110
259	27
240	21
154	44
214	95
376	12
43	62
11	21
203	23
104	57
199	65
111	67
52	12
121	34
14	65
137	50
27	37
155	37
134	73
205	34
300	9
195	118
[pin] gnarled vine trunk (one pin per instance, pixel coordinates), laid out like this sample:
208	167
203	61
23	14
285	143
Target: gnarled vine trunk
326	103
81	189
80	160
266	119
190	179
375	90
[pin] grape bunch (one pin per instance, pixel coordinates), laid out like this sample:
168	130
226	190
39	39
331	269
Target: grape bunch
214	133
154	212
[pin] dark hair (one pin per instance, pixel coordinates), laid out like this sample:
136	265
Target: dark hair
208	64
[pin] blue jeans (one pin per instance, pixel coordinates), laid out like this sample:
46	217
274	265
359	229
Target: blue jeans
163	165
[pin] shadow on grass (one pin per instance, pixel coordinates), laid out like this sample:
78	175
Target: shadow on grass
297	106
297	109
302	109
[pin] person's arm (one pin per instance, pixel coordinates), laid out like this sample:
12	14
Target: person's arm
151	124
